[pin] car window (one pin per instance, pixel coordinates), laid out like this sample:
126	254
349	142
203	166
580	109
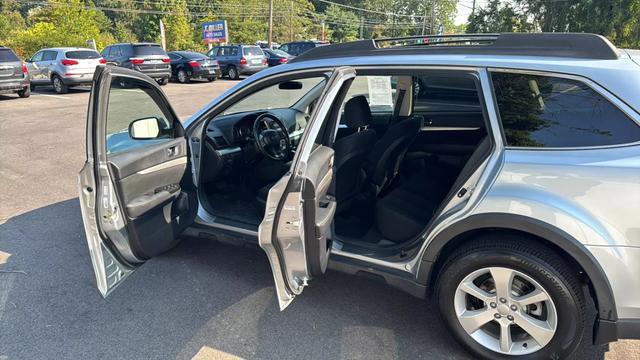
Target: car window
294	49
148	49
448	92
306	47
233	51
116	51
252	50
49	56
105	51
7	55
279	53
37	56
273	97
82	54
285	47
174	56
379	91
129	100
547	111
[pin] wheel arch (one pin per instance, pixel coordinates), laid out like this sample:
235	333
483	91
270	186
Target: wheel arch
466	230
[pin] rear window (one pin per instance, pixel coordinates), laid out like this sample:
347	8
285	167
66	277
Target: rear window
148	50
82	54
7	55
547	111
194	55
254	50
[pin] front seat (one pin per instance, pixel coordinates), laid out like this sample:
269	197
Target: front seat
386	156
352	150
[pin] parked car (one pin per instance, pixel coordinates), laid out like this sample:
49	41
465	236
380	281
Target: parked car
276	57
63	68
237	60
187	65
148	58
296	48
265	44
500	180
14	77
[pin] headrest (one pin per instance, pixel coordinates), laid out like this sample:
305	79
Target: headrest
357	112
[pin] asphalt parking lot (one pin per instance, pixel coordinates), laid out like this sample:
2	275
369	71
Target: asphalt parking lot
202	299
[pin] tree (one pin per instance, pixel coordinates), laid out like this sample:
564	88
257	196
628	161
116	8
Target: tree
178	30
495	18
344	24
62	23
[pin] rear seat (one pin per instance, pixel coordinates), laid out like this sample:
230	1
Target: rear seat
405	211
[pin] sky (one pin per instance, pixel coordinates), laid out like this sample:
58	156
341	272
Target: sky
464	9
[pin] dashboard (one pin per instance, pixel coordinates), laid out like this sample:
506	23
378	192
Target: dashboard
229	142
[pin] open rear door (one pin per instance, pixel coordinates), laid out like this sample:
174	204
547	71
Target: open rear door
296	230
134	193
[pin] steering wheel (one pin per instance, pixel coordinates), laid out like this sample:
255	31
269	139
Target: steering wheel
272	137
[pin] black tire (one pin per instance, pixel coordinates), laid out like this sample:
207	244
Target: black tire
25	93
183	78
163	81
536	261
233	73
211	79
58	85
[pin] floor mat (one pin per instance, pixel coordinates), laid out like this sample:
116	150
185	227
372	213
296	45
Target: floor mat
233	208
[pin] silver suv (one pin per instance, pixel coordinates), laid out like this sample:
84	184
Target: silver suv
63	67
497	174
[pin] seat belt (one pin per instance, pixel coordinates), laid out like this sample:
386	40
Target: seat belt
396	109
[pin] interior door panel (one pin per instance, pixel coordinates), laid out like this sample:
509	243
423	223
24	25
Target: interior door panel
148	182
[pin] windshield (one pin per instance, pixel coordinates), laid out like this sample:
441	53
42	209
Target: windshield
82	54
148	50
253	50
8	55
273	97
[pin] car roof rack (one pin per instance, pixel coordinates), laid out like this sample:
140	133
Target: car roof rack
571	45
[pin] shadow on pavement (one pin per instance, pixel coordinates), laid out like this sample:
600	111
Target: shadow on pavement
200	298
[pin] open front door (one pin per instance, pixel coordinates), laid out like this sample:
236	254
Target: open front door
295	232
134	195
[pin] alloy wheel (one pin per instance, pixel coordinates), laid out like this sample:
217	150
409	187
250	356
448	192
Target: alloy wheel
182	77
505	311
57	84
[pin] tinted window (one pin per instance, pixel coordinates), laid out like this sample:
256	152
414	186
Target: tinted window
233	51
130	100
544	111
380	91
173	56
284	47
279	53
49	56
306	47
7	55
82	54
254	50
148	50
193	55
105	51
445	93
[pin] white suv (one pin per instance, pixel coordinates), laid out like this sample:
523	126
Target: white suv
63	67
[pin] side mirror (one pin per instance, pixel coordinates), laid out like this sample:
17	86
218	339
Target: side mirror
290	85
145	128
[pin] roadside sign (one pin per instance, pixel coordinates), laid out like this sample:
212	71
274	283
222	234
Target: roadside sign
215	32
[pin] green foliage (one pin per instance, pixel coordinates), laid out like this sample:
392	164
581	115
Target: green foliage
343	25
61	23
497	17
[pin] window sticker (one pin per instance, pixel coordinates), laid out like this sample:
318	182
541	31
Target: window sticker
380	90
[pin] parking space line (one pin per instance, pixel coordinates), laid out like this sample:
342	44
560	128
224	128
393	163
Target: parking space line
53	96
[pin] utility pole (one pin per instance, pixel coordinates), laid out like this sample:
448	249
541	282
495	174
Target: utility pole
433	17
291	22
322	30
361	25
424	19
270	35
473	7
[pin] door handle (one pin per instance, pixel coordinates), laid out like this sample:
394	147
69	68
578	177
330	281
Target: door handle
172	151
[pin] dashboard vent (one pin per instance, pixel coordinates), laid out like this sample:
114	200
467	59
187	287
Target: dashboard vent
220	141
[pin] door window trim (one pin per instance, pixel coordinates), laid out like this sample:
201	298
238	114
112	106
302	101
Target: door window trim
610	97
